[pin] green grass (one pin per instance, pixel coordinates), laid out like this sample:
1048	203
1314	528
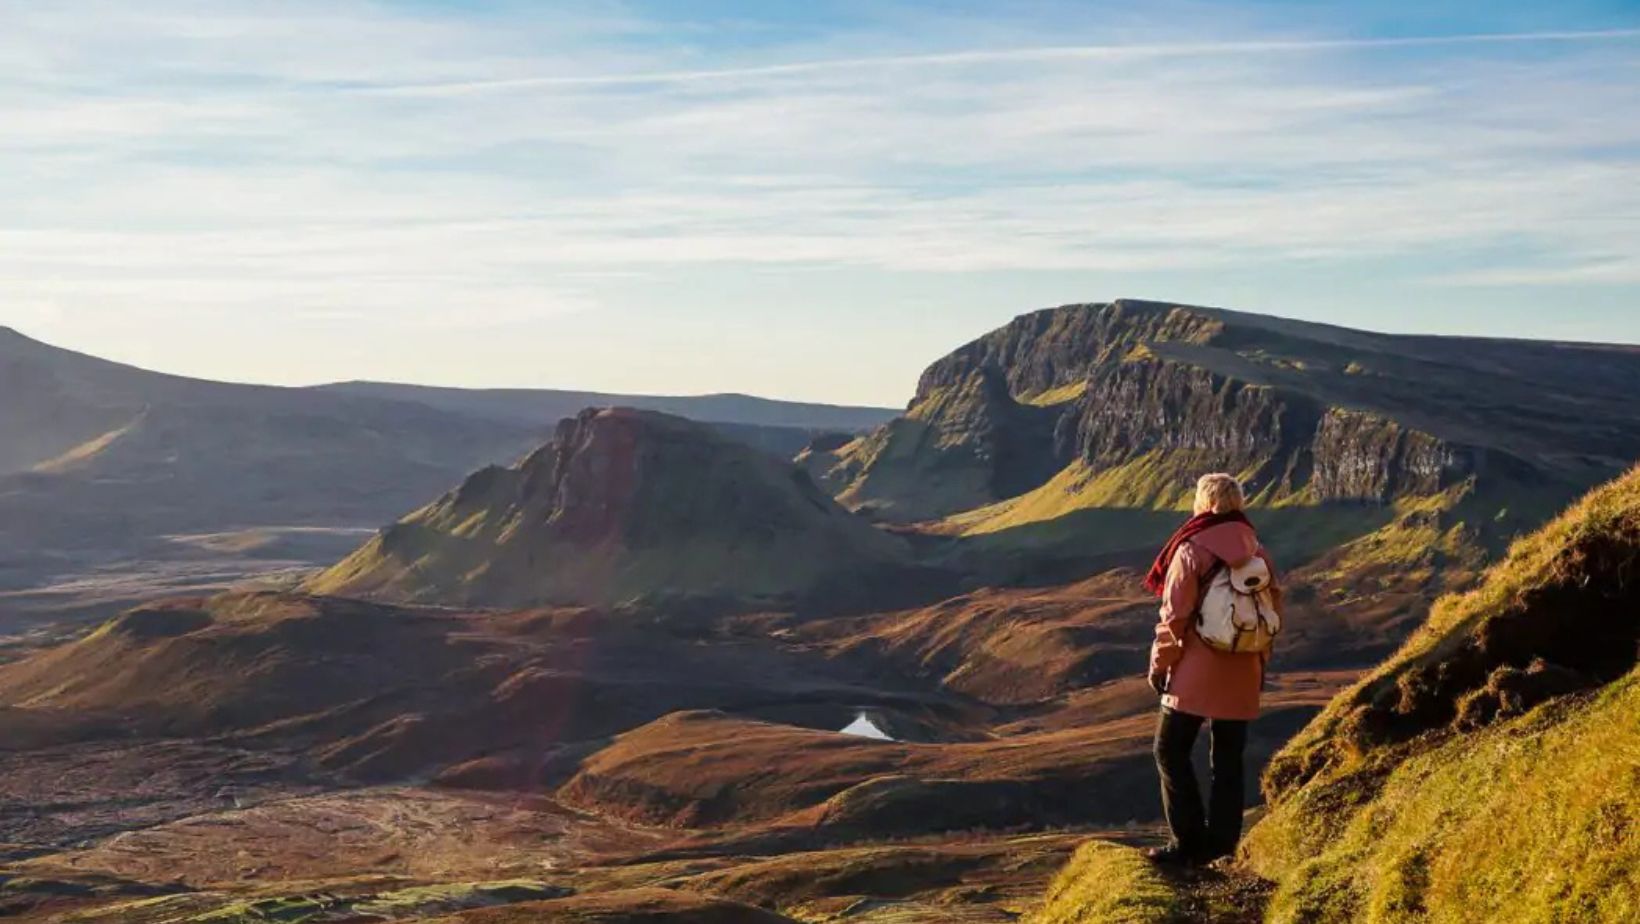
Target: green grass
1400	803
1069	391
1108	884
1534	820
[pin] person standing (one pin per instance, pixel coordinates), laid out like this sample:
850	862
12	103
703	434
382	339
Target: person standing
1200	683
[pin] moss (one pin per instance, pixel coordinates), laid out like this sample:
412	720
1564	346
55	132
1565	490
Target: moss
1108	884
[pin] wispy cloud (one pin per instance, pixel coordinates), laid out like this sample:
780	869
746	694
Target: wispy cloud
1039	55
353	161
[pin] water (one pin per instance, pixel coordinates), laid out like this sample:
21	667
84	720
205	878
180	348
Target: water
863	727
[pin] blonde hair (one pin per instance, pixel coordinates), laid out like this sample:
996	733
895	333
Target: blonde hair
1219	493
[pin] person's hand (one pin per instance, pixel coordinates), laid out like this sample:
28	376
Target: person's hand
1158	682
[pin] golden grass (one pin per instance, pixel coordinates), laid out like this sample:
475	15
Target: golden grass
1062	394
1149	482
1534	820
89	449
1531	819
1109	884
1554	555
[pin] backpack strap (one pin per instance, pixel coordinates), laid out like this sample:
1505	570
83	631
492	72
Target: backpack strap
1219	567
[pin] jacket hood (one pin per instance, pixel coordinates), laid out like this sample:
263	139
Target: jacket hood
1232	543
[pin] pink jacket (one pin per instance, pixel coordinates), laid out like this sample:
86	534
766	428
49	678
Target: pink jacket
1204	681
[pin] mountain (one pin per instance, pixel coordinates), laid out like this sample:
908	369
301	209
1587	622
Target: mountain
1383	470
528	405
99	455
65	412
620	503
170	480
1121	404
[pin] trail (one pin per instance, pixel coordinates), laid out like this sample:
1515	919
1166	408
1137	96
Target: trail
1221	894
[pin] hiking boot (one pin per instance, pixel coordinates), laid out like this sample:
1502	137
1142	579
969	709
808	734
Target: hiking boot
1215	854
1172	855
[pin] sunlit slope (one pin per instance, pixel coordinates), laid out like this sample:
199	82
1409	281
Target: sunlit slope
622	503
1490	770
1120	405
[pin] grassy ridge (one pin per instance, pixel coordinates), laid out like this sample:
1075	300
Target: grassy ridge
1490	770
1533	820
1109	884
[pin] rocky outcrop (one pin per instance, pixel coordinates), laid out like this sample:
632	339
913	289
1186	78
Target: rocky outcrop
961	445
1043	350
621	503
1144	405
1361	456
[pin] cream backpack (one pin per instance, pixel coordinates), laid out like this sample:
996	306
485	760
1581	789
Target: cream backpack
1238	612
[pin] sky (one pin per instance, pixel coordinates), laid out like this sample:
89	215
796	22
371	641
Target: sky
808	200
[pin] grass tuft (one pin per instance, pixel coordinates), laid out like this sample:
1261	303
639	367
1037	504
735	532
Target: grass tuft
1490	770
1109	884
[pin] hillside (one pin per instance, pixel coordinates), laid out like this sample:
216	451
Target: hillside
103	464
1488	771
622	503
66	412
118	483
1119	405
1505	730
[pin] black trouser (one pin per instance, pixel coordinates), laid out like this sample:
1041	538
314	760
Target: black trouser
1220	831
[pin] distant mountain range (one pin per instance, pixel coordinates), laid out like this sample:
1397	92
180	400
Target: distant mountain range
1390	465
1059	445
533	405
104	460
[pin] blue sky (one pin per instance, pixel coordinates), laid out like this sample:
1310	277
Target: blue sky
799	199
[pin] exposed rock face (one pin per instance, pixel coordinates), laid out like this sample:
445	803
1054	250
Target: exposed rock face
961	441
621	503
1302	411
1361	456
1144	405
1043	350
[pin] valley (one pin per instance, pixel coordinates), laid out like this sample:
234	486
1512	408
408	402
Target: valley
119	484
375	653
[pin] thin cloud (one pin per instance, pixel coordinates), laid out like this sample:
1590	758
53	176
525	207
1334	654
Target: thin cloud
270	166
1040	55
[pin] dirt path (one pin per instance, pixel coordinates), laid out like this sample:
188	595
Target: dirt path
1222	894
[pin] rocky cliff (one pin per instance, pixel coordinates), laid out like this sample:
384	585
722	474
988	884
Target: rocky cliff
1305	413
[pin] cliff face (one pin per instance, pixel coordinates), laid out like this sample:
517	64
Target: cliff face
1144	404
1043	350
1305	413
620	503
961	442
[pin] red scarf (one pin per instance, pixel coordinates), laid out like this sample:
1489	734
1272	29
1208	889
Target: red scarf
1156	580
